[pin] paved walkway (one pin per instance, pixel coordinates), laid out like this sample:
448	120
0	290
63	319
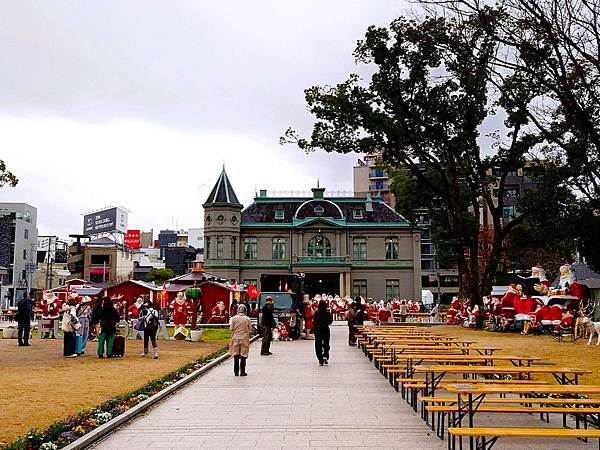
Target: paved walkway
287	401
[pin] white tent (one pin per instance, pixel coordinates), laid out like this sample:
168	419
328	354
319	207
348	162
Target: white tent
427	297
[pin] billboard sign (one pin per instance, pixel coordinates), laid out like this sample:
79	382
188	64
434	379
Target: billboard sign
133	239
106	221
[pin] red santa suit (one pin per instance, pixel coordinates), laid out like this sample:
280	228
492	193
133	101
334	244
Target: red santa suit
50	311
453	312
508	302
181	310
218	314
383	315
133	312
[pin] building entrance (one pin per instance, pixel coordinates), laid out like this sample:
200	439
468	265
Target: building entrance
321	283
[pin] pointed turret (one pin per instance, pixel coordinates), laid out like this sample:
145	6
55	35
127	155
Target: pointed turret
222	193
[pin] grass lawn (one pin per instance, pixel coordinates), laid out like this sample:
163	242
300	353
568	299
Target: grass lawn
569	354
40	386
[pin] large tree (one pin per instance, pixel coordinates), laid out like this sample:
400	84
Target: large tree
423	108
555	43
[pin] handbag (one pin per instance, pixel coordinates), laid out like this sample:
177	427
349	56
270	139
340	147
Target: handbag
140	324
75	322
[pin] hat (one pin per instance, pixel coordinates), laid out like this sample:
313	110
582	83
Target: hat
269	298
86	299
73	295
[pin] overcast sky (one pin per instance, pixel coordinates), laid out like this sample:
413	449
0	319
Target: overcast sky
139	103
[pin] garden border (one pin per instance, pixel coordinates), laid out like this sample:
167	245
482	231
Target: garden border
98	433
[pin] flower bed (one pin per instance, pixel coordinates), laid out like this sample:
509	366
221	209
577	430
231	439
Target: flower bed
63	432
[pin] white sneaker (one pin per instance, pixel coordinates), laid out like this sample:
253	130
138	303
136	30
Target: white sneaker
74	355
156	353
143	355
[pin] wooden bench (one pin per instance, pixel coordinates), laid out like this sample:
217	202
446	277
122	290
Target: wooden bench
451	410
494	433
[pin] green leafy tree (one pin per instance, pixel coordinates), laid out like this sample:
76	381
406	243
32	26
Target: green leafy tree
6	177
423	108
159	276
556	45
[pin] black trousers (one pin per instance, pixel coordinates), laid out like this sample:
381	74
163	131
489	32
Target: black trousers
69	344
239	364
23	330
267	336
322	344
149	334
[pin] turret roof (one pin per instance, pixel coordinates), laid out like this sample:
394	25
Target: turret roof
222	193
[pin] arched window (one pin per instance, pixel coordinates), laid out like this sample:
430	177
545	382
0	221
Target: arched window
319	247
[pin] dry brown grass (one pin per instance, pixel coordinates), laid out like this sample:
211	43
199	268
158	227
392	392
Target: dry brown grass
40	386
569	354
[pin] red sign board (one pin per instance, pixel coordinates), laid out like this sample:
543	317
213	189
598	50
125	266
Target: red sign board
133	239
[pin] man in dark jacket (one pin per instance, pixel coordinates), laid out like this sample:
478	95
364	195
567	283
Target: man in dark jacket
24	317
322	320
267	323
108	317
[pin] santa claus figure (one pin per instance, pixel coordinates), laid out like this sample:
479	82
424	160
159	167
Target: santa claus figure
180	309
473	314
50	313
454	311
384	314
508	301
133	313
218	314
544	284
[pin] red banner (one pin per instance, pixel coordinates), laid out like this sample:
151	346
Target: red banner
133	239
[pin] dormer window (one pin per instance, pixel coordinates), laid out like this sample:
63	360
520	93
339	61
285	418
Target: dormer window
279	214
319	210
357	213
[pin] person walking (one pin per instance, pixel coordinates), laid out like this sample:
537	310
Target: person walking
239	344
70	325
322	320
149	316
83	313
267	323
24	316
351	316
108	318
403	311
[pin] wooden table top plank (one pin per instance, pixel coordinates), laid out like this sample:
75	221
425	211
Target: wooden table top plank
490	370
558	389
526	432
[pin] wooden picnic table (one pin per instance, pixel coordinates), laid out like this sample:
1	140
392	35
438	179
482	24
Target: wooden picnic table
413	360
564	375
465	350
470	396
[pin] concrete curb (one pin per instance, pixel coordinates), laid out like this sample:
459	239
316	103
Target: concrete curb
100	432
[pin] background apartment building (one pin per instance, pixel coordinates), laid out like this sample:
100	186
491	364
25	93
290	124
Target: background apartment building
18	251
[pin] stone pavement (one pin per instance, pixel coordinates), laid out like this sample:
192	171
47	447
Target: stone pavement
286	401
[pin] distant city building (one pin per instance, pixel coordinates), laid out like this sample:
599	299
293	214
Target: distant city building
196	238
18	251
52	255
368	179
102	261
166	238
343	245
142	265
147	239
179	259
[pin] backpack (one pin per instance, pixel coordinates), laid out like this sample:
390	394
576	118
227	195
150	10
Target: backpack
151	319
